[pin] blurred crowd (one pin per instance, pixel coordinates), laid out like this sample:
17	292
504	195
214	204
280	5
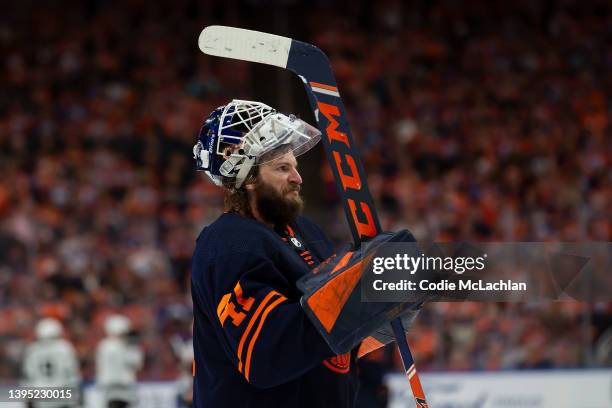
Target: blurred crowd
476	121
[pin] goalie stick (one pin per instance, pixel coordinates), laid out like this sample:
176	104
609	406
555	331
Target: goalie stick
314	69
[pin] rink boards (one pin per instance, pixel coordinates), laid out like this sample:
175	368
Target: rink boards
509	389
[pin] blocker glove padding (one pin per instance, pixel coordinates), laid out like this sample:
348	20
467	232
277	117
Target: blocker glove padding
332	299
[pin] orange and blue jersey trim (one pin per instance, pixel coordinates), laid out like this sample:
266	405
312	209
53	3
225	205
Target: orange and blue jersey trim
270	301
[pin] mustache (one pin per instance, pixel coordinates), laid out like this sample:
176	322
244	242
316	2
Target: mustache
293	187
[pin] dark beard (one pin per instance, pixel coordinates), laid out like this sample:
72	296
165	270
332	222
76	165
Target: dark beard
275	208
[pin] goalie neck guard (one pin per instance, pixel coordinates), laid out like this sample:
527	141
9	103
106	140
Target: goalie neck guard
236	137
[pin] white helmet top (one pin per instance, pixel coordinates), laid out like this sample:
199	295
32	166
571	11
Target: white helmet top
235	137
117	325
48	328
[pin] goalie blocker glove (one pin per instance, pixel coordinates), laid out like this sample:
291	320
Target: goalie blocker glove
332	299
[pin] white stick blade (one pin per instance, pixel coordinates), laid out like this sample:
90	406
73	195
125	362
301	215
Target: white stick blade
246	45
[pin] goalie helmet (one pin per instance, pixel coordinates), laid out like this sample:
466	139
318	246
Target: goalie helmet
236	137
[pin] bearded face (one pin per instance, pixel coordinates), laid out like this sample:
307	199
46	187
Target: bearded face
278	207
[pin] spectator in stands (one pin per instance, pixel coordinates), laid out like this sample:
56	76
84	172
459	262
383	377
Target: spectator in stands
476	120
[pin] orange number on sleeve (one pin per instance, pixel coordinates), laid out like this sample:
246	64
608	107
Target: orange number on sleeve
228	308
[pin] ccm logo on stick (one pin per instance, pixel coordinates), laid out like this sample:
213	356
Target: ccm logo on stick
352	180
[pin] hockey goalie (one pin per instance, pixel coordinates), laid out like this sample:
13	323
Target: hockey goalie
276	319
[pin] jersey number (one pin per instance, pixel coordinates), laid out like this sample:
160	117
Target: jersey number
228	308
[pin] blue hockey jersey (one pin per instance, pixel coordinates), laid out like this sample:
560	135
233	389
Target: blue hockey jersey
253	344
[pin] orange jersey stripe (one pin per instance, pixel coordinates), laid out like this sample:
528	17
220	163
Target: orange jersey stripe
254	338
258	311
328	87
290	230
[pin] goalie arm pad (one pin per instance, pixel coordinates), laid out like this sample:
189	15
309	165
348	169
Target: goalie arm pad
264	330
332	296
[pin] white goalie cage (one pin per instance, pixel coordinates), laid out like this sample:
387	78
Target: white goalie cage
263	129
